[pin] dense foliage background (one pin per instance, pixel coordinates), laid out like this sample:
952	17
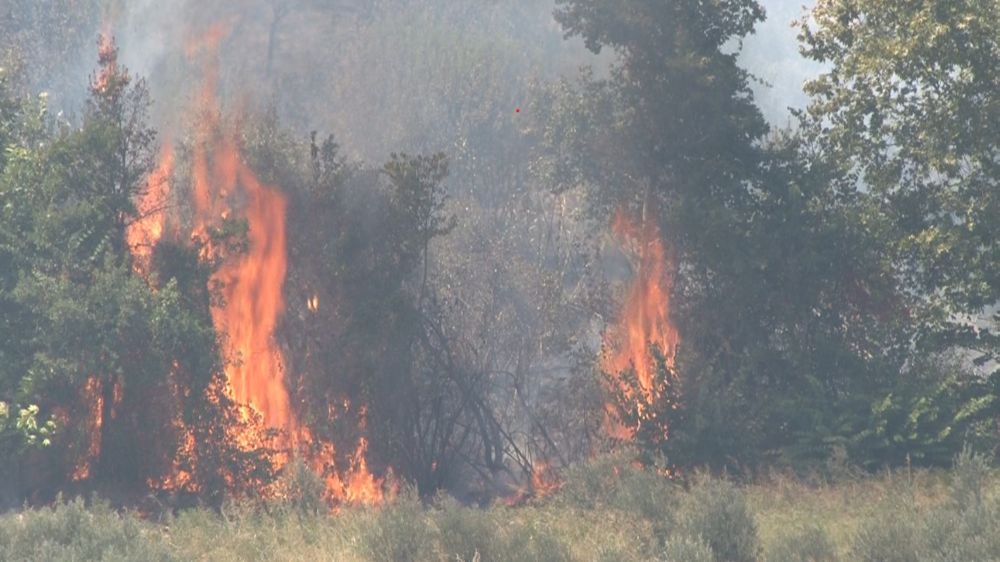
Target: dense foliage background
835	281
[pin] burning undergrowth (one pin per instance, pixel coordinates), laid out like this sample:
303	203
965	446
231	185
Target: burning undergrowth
305	374
236	226
640	349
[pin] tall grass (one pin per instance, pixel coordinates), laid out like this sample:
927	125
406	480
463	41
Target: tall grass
606	511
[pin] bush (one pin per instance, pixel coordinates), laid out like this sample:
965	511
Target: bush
533	541
301	489
467	532
969	478
613	482
890	535
72	531
717	513
805	544
399	532
687	549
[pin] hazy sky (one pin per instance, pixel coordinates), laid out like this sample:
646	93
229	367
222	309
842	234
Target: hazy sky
772	55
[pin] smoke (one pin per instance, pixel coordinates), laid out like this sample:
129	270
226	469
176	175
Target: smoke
370	71
771	54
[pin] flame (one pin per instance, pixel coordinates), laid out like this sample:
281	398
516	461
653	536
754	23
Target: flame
147	230
645	317
544	481
252	288
93	398
107	58
252	285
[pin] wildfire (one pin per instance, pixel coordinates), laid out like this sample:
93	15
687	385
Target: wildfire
645	318
252	285
543	482
147	230
94	399
107	57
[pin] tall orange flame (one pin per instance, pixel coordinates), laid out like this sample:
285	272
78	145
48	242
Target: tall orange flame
252	289
147	230
645	317
252	284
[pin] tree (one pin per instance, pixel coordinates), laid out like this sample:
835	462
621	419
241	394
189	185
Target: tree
126	363
910	109
673	137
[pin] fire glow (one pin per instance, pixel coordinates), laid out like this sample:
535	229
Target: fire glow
251	282
645	316
148	228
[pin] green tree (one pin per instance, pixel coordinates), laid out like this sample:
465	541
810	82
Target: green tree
128	363
672	136
910	110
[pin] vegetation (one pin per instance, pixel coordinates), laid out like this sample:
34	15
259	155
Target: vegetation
915	516
512	308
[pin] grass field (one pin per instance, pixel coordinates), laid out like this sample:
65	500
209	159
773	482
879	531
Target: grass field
604	511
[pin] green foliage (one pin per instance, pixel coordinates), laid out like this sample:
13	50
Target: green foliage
808	543
687	549
929	412
910	109
614	482
871	519
468	532
536	542
22	429
400	532
717	512
970	477
75	531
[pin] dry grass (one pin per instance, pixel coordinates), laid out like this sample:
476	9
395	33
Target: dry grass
600	515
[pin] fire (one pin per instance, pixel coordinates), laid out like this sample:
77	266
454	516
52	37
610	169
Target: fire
252	285
543	482
93	398
147	230
645	318
250	282
107	57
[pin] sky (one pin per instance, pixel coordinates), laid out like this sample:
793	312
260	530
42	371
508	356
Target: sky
772	55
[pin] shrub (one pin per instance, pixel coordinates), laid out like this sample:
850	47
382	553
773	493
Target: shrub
949	535
717	513
687	549
399	532
467	532
804	544
533	541
72	531
613	482
890	535
969	477
301	489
